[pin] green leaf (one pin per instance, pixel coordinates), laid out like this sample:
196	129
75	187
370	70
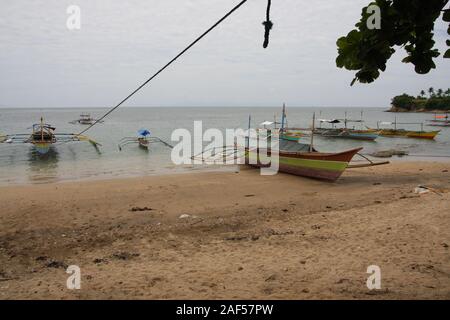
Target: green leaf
447	54
446	16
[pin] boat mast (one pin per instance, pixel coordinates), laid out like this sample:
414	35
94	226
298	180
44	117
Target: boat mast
42	129
248	133
311	148
283	117
345	120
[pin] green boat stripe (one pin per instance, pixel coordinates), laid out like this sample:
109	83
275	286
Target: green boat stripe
311	164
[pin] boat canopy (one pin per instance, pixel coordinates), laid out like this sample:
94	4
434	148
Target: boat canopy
330	121
144	132
267	123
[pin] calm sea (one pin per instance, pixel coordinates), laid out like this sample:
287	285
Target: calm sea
19	163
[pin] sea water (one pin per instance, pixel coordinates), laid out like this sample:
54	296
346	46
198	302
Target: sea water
20	164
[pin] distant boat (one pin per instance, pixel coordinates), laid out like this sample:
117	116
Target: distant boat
345	133
143	140
395	132
85	119
283	132
439	121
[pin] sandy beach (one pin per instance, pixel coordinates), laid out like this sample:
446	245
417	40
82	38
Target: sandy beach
240	236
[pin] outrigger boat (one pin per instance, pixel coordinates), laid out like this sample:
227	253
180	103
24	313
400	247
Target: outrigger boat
43	137
85	119
439	121
283	132
294	158
345	133
395	132
143	140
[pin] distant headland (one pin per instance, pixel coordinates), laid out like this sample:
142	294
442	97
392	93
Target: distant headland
433	101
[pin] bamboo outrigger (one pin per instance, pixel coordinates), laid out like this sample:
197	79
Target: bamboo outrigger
43	136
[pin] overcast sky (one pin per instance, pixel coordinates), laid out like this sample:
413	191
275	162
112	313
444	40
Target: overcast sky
121	43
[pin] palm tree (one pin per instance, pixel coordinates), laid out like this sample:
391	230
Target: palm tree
440	92
447	93
422	93
431	91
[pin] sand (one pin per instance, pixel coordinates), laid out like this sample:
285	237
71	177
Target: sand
243	236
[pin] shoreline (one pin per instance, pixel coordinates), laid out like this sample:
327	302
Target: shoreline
230	236
442	159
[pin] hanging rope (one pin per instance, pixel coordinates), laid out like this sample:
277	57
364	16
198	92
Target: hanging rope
267	25
168	64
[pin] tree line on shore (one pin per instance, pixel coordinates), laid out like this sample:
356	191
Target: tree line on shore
430	100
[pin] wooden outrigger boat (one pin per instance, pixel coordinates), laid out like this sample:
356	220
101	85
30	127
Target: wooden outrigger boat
345	133
293	158
143	140
439	121
85	119
43	137
302	161
395	132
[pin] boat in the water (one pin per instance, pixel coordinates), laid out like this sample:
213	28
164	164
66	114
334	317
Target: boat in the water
43	136
283	132
143	140
345	132
396	132
439	121
85	119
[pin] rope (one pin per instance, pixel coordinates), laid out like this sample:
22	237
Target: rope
172	61
267	25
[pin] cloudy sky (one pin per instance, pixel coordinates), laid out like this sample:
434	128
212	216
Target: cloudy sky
121	43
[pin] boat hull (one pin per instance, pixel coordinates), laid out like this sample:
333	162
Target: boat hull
42	148
423	135
349	134
323	166
409	134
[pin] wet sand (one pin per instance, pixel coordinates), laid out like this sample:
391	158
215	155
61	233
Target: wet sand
241	236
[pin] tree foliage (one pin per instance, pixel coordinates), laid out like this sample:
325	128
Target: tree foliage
435	101
406	23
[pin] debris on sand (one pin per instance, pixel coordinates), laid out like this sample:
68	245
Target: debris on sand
424	190
187	216
42	258
138	209
123	255
421	190
56	264
100	260
389	153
